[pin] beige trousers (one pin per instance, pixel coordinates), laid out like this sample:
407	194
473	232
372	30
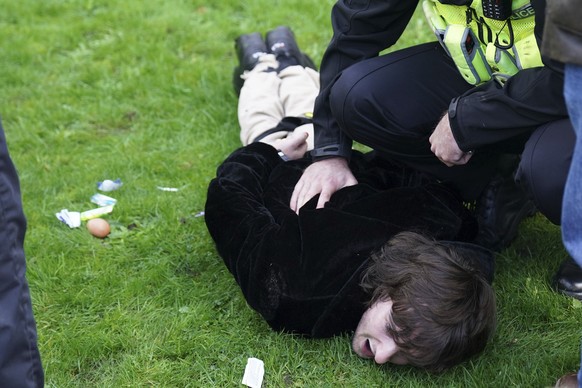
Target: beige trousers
266	97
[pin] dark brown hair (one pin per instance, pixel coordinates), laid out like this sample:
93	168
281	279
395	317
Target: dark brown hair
443	309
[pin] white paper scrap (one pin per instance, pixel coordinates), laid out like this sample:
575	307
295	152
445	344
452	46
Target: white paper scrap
72	219
168	188
254	372
103	200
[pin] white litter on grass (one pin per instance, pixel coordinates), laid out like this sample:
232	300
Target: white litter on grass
254	372
103	200
199	214
97	212
72	219
109	185
167	188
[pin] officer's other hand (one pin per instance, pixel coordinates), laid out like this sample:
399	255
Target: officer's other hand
444	145
323	177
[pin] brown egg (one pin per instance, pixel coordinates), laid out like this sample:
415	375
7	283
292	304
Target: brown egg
98	227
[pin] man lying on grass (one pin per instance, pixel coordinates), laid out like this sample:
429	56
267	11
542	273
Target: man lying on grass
390	257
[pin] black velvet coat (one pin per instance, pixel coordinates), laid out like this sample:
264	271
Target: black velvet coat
302	273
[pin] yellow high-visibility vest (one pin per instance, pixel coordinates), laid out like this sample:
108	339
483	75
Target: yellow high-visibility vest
485	48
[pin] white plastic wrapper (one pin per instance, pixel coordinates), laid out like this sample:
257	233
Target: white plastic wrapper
109	185
103	200
254	372
72	219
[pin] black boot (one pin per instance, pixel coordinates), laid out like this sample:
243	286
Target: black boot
249	48
281	43
501	208
568	279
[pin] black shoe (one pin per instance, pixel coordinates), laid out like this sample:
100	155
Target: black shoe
281	43
568	279
249	48
500	209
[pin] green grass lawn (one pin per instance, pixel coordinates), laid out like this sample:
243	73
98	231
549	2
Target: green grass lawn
141	90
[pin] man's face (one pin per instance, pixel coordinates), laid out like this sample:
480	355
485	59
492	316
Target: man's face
371	339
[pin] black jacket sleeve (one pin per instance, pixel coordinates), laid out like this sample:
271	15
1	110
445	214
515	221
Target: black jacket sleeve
361	30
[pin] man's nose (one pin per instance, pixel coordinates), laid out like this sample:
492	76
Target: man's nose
384	351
